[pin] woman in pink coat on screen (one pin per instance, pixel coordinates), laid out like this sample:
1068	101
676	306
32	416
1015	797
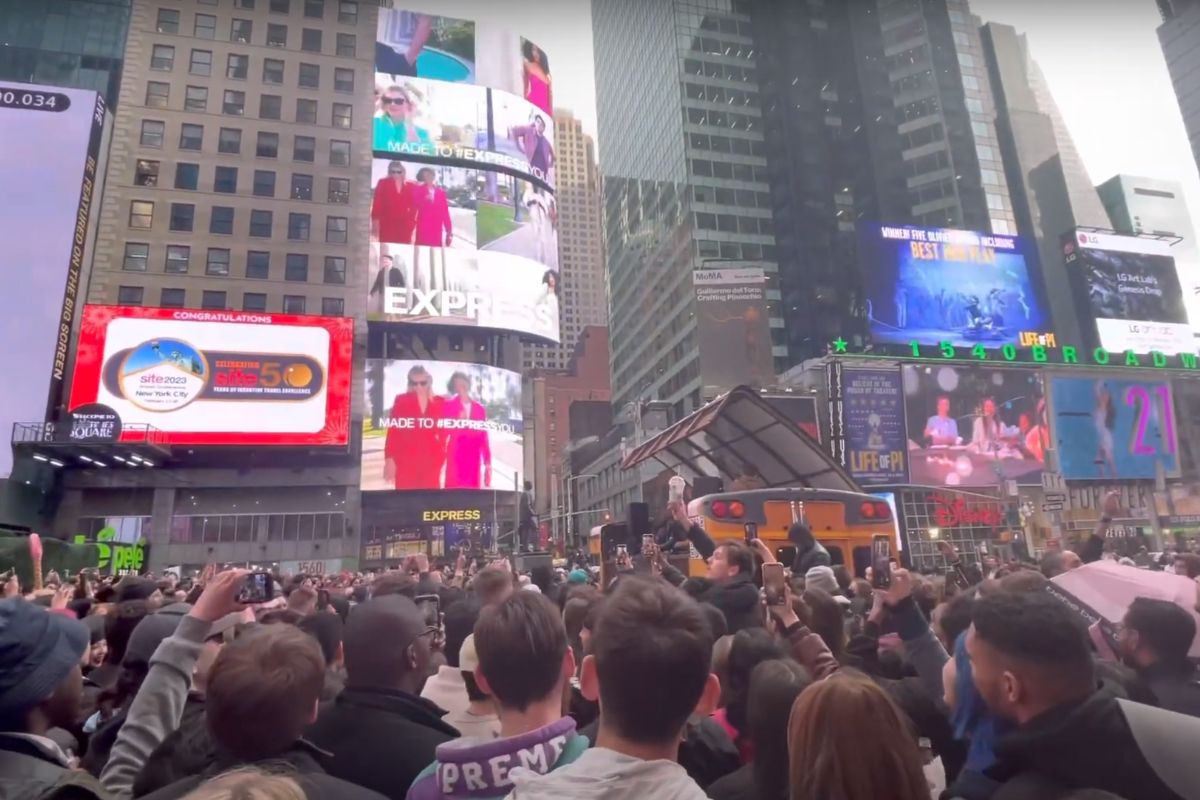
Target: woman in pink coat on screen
468	452
434	230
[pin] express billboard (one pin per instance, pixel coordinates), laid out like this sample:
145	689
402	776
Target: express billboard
441	425
1114	428
50	139
1129	287
975	426
931	285
218	377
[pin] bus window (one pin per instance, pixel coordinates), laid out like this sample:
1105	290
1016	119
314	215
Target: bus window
836	556
862	560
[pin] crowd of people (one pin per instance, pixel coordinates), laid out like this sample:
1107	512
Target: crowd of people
472	680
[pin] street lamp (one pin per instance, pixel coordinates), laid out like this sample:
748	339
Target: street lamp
570	498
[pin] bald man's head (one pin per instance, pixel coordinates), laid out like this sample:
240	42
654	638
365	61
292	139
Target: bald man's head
386	645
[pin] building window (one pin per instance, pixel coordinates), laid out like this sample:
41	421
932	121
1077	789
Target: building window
206	26
348	12
225	180
302	186
237	66
145	173
191	137
306	112
347	45
332	306
296	267
141	214
258	264
130	295
172	298
336	230
162	57
339	153
315	9
281	6
293	304
218	262
158	94
264	183
247	4
212	299
270	106
229	140
310	76
343	79
260	223
310	40
153	131
277	36
187	176
268	145
240	30
183	216
168	21
299	226
221	220
335	270
195	98
254	301
137	255
178	258
339	191
304	148
343	114
272	70
233	103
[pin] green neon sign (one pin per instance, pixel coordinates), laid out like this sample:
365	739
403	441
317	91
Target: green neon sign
1036	354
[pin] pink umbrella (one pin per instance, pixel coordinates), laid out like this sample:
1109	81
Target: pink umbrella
1103	590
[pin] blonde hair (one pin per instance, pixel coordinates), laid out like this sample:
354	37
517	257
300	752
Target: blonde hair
248	784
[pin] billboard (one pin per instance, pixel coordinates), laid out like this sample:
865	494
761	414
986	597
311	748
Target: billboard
218	377
1129	287
974	426
1186	396
873	425
932	285
441	425
50	138
463	214
1114	428
732	332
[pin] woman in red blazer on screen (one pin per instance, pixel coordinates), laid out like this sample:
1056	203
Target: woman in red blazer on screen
393	209
468	451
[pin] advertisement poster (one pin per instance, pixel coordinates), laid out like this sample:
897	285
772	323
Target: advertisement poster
1114	429
462	247
217	377
50	139
732	331
441	425
932	285
974	426
1129	287
873	411
1186	394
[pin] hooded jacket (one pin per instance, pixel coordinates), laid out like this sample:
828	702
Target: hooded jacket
1130	749
482	768
603	774
736	598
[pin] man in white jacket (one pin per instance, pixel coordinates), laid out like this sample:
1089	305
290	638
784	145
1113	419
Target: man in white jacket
649	670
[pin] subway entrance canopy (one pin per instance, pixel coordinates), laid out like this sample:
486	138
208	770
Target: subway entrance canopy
738	429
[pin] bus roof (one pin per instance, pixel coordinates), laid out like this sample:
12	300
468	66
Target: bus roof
737	429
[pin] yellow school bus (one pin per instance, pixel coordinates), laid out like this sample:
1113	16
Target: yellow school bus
849	524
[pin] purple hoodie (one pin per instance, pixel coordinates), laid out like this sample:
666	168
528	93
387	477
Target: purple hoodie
479	768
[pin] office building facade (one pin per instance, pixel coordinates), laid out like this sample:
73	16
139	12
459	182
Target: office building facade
77	44
583	297
1179	36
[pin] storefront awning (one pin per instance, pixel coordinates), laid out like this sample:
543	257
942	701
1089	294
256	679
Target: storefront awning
739	429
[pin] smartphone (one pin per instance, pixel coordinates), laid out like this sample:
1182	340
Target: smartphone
259	587
881	563
750	529
774	584
648	544
431	607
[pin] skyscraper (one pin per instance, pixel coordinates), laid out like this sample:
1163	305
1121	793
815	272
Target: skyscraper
685	180
73	43
580	244
1180	38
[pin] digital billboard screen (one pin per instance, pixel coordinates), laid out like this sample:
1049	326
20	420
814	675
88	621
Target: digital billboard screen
1128	285
1114	428
441	425
932	285
49	164
218	377
974	426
